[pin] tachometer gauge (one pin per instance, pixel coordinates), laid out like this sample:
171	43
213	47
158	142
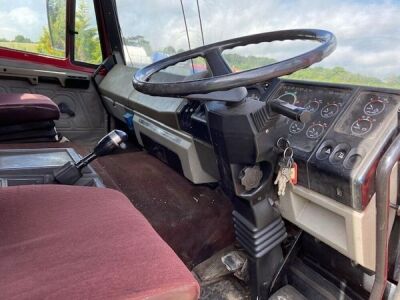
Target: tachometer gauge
374	107
312	106
288	97
361	126
296	127
329	110
315	131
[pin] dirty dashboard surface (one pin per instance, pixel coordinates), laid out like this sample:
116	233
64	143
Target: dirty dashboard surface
337	150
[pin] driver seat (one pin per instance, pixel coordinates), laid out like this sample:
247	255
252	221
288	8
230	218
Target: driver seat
69	242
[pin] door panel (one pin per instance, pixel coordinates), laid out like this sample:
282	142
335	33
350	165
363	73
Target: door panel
89	122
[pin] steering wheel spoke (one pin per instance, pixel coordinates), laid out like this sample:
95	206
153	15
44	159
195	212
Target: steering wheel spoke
217	63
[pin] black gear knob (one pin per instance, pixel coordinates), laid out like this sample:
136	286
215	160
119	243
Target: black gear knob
113	140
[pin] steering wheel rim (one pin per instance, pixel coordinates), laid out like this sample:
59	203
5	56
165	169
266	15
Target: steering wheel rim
223	78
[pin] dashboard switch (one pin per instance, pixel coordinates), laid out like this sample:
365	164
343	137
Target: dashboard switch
325	150
339	153
352	161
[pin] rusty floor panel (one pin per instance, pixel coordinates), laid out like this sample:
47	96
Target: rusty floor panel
194	220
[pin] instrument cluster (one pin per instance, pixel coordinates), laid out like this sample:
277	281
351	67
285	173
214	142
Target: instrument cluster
349	128
324	103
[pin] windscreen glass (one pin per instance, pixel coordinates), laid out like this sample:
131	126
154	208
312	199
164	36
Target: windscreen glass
368	34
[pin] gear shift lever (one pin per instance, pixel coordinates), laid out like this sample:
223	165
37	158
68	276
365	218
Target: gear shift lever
70	172
113	140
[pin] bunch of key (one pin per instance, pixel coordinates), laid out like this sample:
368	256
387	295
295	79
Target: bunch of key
287	167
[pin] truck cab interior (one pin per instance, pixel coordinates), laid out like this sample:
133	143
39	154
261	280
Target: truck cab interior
199	149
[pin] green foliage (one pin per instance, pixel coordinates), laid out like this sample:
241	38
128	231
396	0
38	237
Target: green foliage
19	43
169	50
335	75
87	43
21	39
240	63
341	75
52	39
45	46
27	47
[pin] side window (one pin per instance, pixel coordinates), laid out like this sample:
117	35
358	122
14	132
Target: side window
26	26
87	43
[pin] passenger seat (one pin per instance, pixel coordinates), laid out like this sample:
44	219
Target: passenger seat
69	242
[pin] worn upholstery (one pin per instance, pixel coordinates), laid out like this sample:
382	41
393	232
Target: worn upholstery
25	108
67	242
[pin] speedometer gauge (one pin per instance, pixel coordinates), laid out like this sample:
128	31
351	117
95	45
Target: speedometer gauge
288	97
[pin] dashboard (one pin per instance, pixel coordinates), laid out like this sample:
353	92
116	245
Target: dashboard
337	150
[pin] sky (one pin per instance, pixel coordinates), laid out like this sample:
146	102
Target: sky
368	32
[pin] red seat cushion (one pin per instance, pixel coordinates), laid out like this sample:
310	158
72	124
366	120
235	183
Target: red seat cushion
67	242
24	108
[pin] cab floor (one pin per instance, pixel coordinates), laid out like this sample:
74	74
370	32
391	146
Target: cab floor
195	220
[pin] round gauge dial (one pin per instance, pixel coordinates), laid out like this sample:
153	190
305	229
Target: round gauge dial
288	97
361	126
315	131
330	110
296	127
374	107
312	106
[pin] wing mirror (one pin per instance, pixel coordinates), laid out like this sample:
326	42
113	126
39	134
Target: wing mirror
56	20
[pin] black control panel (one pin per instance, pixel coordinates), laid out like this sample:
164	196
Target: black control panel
325	103
337	151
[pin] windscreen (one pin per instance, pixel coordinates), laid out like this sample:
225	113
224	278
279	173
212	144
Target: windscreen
368	34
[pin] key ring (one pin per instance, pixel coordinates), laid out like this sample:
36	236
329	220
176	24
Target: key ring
288	158
282	143
285	153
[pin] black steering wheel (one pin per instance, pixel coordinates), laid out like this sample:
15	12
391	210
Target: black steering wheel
223	78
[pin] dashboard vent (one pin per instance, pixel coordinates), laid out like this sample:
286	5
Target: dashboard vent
260	118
